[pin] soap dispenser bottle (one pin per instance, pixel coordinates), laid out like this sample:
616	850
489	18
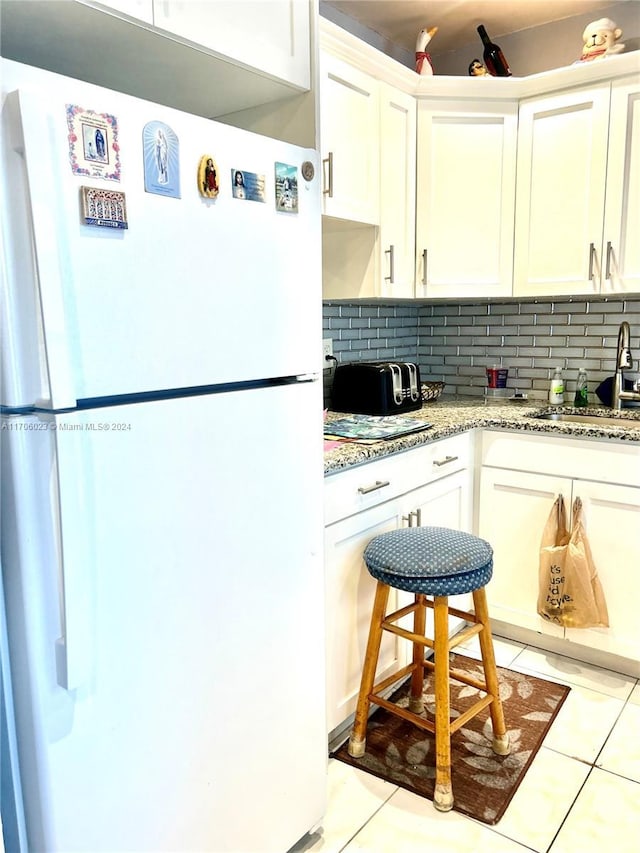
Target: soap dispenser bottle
581	399
556	388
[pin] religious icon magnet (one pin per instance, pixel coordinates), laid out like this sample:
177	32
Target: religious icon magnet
106	208
247	185
93	143
208	177
161	159
286	188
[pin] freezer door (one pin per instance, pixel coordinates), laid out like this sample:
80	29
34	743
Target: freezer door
190	576
196	291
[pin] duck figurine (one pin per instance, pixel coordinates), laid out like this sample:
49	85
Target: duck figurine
423	60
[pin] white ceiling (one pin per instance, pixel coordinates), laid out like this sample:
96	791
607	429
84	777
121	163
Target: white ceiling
400	21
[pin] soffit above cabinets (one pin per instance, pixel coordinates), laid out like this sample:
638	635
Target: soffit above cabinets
400	21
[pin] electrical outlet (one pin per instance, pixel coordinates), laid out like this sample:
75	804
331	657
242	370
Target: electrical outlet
327	349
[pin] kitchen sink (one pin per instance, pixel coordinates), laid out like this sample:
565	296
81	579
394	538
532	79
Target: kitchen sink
596	420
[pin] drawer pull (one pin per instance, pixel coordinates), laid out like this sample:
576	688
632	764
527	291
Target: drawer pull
445	461
379	484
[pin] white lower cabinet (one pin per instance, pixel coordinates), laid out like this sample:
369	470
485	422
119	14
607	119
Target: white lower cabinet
519	482
444	499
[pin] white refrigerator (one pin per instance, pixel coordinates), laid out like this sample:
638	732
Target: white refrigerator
161	441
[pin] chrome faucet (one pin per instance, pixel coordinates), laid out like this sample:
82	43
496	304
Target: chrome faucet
623	362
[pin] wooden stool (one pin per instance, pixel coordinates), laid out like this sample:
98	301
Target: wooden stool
436	562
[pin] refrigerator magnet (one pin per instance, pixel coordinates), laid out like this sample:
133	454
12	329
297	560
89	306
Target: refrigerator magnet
161	159
93	143
286	188
106	208
208	177
247	185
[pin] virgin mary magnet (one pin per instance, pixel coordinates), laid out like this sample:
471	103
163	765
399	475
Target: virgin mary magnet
161	159
208	184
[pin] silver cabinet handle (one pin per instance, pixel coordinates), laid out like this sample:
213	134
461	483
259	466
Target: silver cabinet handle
415	513
391	251
607	274
424	267
329	161
445	461
592	252
379	484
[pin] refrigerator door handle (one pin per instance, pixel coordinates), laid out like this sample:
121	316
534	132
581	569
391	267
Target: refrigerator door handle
74	647
41	171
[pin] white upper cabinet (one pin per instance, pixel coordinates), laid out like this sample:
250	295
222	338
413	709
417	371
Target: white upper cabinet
621	245
397	191
140	9
214	59
465	198
350	141
578	192
269	35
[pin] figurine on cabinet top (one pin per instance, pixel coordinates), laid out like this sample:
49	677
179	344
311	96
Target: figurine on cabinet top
599	39
423	60
477	69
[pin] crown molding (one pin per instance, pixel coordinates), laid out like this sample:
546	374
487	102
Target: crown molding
378	65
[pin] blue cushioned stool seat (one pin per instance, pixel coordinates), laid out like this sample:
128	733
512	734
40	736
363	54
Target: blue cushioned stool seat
430	560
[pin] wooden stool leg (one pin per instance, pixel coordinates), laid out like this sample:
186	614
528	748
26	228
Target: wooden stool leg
501	744
443	795
358	739
416	701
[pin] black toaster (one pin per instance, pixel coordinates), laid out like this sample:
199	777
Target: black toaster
376	388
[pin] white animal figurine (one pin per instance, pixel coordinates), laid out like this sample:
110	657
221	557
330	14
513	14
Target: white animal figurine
599	40
423	60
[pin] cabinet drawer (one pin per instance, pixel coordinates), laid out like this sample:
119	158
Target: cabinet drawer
356	489
580	459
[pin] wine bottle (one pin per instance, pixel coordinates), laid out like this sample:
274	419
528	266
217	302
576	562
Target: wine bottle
493	57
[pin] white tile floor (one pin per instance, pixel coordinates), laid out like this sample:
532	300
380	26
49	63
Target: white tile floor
581	793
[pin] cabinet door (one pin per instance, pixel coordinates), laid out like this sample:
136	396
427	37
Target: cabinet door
562	155
270	35
612	522
514	508
349	600
397	192
465	199
350	141
621	251
444	503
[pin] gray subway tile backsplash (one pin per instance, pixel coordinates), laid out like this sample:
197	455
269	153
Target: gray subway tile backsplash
454	342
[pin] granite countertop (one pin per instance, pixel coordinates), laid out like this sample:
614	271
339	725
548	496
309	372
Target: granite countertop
452	416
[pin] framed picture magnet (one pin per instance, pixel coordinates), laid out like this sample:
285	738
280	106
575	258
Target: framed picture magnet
286	188
208	184
94	151
161	159
105	208
247	185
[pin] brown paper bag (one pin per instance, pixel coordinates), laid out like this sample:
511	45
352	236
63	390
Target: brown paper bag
570	592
